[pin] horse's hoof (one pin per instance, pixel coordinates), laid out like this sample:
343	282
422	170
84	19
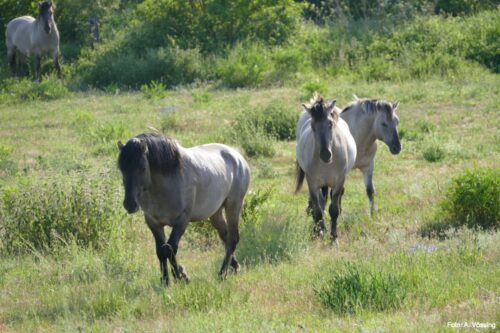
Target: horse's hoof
183	274
335	243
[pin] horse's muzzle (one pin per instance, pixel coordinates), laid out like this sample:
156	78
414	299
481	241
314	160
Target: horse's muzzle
131	207
326	156
395	149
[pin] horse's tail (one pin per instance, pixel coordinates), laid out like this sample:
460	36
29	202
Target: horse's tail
299	177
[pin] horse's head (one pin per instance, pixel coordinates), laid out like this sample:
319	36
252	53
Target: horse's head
46	14
323	121
386	125
134	165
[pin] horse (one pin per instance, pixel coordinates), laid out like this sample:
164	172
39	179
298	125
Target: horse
174	185
32	36
369	120
326	152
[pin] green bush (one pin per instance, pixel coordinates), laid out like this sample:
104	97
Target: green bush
254	141
433	152
316	85
154	90
24	89
275	120
354	287
473	200
42	214
269	232
246	65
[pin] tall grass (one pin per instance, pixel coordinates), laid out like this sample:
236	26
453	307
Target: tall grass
46	213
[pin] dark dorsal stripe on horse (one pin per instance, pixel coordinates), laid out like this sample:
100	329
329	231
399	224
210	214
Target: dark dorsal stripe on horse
163	153
371	105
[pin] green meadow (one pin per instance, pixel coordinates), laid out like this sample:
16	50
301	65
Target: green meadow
72	260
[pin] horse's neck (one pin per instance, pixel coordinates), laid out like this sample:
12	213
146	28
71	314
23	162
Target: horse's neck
362	129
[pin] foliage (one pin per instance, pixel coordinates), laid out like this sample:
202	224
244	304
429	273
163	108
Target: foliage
275	120
473	199
269	233
7	166
24	89
254	140
42	215
433	152
154	90
354	287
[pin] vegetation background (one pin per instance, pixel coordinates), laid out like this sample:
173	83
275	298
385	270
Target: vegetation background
237	72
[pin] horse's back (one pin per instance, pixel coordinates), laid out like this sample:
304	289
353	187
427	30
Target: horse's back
18	33
222	164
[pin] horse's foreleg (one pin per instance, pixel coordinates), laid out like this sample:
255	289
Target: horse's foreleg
56	63
317	211
171	248
38	66
159	236
370	190
334	209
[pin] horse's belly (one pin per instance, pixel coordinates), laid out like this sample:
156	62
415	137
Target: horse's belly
208	201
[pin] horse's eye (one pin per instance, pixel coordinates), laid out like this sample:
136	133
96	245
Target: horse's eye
384	124
330	124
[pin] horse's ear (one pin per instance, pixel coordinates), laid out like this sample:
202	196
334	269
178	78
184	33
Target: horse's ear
144	146
40	5
306	108
331	105
120	145
395	105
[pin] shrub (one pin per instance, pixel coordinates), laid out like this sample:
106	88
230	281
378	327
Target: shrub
24	89
310	87
269	232
354	287
275	120
473	199
433	152
254	141
154	90
41	215
246	65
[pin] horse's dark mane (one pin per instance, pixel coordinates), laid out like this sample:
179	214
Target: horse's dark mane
370	105
44	6
318	109
163	153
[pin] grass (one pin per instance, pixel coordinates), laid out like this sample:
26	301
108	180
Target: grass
117	287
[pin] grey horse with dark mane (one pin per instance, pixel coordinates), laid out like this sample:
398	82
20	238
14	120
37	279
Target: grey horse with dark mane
326	152
30	36
370	120
175	185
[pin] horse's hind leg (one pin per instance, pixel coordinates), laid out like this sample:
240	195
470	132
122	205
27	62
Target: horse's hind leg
233	209
38	66
11	58
219	223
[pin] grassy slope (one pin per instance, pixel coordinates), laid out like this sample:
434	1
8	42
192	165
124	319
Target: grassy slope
118	288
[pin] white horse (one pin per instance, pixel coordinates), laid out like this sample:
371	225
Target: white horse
174	185
326	152
369	120
32	36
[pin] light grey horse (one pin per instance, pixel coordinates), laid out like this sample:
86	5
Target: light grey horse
326	152
175	185
31	36
369	120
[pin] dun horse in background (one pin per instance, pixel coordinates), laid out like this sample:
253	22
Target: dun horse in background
175	185
326	152
369	120
30	36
